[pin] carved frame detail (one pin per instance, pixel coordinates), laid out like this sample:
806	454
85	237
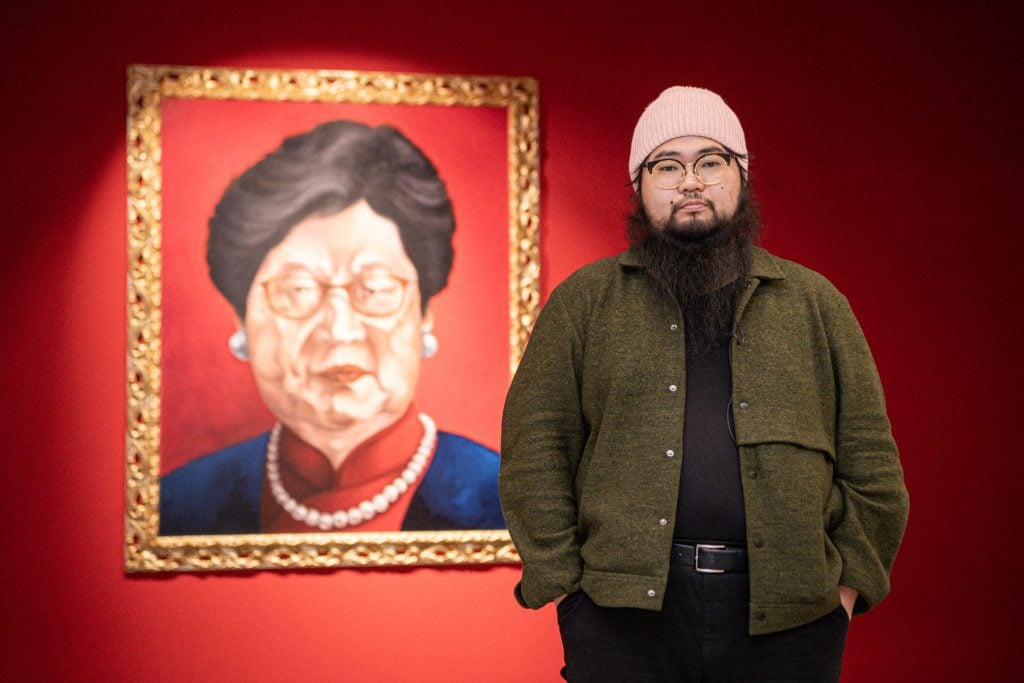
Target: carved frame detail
145	550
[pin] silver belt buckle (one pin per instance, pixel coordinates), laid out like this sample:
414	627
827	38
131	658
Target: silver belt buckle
696	559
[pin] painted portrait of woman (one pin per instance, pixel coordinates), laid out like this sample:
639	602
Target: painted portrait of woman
329	251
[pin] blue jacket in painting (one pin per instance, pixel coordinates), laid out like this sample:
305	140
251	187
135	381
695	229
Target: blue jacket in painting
220	493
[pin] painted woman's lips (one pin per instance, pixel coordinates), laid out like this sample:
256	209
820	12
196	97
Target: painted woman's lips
342	374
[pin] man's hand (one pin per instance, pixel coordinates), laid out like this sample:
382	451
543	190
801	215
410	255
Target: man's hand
847	596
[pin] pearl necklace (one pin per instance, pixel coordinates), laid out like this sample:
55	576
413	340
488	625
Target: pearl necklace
361	512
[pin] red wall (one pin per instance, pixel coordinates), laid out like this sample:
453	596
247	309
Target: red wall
886	150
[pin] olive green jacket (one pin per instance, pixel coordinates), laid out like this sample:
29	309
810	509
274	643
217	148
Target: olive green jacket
592	435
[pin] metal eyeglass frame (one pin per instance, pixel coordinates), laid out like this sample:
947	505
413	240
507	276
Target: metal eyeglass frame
325	287
690	168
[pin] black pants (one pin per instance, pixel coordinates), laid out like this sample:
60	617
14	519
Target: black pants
700	635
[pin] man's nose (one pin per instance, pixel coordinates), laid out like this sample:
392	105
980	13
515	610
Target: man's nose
690	180
341	320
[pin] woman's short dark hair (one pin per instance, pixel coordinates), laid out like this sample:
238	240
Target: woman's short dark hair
320	173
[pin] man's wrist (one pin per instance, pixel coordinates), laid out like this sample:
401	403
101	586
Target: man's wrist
848	598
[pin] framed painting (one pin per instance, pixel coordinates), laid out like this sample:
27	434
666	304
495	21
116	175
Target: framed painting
331	277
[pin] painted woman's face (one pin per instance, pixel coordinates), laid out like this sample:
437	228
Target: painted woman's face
335	328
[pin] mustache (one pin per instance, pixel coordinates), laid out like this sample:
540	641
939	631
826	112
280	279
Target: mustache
692	197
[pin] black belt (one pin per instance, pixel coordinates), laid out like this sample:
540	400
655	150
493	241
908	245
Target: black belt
710	558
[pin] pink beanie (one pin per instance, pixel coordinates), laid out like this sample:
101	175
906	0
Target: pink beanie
684	110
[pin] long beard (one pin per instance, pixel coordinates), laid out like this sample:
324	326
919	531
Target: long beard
703	268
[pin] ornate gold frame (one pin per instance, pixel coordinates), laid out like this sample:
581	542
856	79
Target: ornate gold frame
145	550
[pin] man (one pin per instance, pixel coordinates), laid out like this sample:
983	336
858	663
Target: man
697	466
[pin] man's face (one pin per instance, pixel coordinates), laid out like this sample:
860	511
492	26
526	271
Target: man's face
327	359
692	208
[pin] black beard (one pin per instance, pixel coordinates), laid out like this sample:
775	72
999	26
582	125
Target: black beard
702	266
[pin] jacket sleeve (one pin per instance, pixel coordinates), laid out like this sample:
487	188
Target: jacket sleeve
867	469
542	438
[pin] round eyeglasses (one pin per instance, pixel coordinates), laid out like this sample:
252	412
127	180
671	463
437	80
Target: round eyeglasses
300	295
709	169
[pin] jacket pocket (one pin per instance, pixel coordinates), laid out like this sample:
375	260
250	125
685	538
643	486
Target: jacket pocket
789	507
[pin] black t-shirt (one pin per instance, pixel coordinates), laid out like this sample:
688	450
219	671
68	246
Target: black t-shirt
710	505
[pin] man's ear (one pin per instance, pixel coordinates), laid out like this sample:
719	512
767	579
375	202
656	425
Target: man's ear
427	324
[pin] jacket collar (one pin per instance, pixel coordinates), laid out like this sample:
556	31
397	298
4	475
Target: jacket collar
763	266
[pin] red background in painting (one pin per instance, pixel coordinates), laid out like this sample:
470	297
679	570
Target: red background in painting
209	399
886	154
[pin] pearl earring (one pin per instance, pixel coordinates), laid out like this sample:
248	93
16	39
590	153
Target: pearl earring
238	343
429	344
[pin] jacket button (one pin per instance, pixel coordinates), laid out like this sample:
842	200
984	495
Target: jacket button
663	522
670	453
672	387
758	542
651	593
752	474
673	327
760	616
744	404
